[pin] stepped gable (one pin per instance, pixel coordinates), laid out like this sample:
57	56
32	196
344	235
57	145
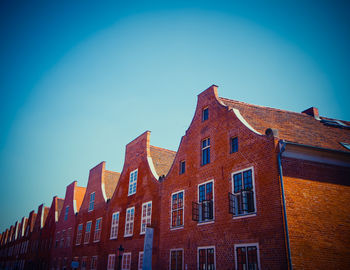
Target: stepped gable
59	206
162	159
306	128
111	180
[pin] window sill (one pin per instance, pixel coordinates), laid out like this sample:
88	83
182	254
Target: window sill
176	228
96	241
128	235
205	222
244	216
113	238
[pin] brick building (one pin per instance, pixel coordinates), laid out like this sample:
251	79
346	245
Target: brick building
250	187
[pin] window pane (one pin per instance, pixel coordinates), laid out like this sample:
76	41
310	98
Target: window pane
237	182
247	178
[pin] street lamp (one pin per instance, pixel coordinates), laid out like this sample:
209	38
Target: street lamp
120	252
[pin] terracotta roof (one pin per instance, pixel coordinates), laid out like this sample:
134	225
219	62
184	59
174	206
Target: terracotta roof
294	127
111	180
162	159
60	203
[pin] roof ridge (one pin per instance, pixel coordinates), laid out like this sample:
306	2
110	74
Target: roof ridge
161	148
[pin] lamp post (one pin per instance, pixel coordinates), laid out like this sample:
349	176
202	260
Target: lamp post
120	252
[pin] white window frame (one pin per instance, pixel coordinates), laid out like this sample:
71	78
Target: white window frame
68	237
62	239
81	234
89	222
206	247
177	249
146	217
183	210
131	222
110	260
203	148
92	260
92	201
247	245
133	182
84	259
115	226
140	266
97	231
201	222
252	214
124	255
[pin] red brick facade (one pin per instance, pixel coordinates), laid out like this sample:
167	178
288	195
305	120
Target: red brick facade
249	187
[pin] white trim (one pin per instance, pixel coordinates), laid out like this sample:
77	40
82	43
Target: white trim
90	221
246	245
183	210
75	206
141	232
253	183
133	222
152	168
110	233
56	216
244	122
89	210
95	241
126	253
103	191
108	260
137	176
183	259
81	237
203	183
206	247
138	267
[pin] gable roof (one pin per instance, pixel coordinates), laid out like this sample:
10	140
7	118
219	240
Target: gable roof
294	127
162	159
111	180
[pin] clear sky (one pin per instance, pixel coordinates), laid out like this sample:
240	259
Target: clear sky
81	79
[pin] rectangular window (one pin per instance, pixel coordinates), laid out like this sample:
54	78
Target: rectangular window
132	182
204	210
206	258
69	235
242	199
92	201
62	238
176	259
177	209
98	226
111	262
66	213
87	232
83	263
129	221
247	256
205	114
114	225
79	234
146	216
126	261
57	239
233	145
93	263
182	166
140	260
205	151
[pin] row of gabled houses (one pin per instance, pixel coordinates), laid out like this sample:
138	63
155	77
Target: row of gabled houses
250	187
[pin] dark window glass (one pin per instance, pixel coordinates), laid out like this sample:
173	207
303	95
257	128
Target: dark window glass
206	151
234	144
182	167
247	178
237	182
205	114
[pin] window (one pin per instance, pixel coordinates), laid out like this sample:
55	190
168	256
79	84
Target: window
111	262
242	201
126	261
204	210
79	234
62	239
69	234
83	263
247	256
93	263
205	114
176	259
177	209
206	258
233	145
97	234
92	201
146	216
129	221
182	167
66	213
132	182
140	260
57	239
206	151
114	225
87	232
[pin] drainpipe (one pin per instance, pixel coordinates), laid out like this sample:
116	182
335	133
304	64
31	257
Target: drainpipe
282	146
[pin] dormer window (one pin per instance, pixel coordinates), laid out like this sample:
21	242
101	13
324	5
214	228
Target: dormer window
92	201
205	114
132	182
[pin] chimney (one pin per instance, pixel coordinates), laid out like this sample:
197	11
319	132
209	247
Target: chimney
312	111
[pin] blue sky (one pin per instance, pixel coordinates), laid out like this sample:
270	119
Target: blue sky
81	79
